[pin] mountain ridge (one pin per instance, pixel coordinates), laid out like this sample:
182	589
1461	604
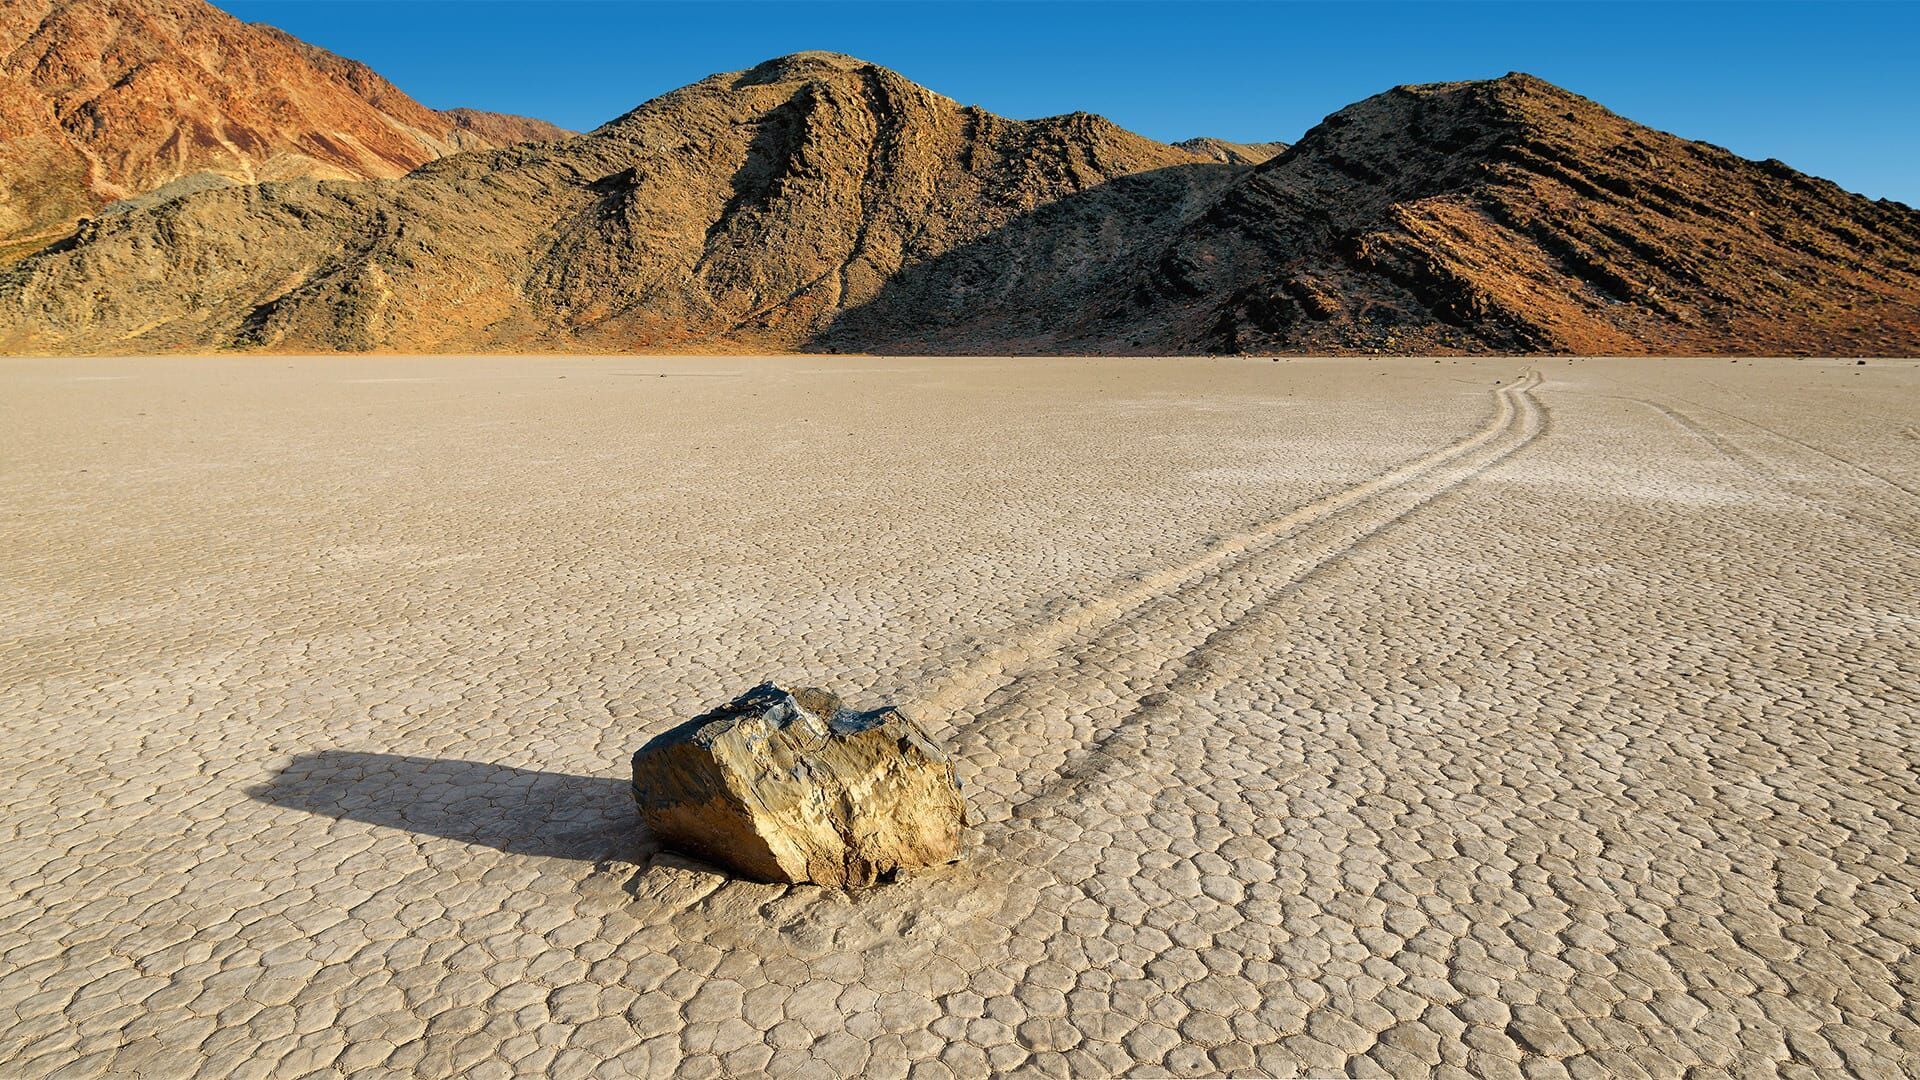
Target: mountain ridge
1228	152
818	202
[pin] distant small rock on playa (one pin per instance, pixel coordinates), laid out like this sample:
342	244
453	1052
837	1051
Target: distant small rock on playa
788	785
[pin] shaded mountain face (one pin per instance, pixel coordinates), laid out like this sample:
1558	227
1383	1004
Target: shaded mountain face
1505	215
105	100
818	202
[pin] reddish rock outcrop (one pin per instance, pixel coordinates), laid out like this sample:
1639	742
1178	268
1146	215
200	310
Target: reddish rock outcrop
102	100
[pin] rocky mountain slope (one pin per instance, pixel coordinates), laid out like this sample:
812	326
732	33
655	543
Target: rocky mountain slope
103	100
1512	215
818	202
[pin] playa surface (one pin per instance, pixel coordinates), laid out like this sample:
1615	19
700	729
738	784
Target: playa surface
1318	717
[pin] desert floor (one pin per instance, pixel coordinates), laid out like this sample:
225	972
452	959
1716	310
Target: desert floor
1317	717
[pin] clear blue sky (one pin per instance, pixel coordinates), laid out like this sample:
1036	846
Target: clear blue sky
1828	88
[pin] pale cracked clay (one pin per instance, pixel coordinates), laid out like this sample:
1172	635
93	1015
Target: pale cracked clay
1564	726
789	785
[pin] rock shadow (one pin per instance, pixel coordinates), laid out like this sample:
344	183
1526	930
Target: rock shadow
518	811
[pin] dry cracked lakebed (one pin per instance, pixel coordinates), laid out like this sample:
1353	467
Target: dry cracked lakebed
1317	717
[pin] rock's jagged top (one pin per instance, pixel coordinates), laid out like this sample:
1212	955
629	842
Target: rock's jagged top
110	99
786	784
816	201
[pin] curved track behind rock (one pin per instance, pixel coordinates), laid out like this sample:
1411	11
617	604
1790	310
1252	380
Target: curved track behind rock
1157	636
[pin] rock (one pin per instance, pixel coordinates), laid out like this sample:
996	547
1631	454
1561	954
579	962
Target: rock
789	785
